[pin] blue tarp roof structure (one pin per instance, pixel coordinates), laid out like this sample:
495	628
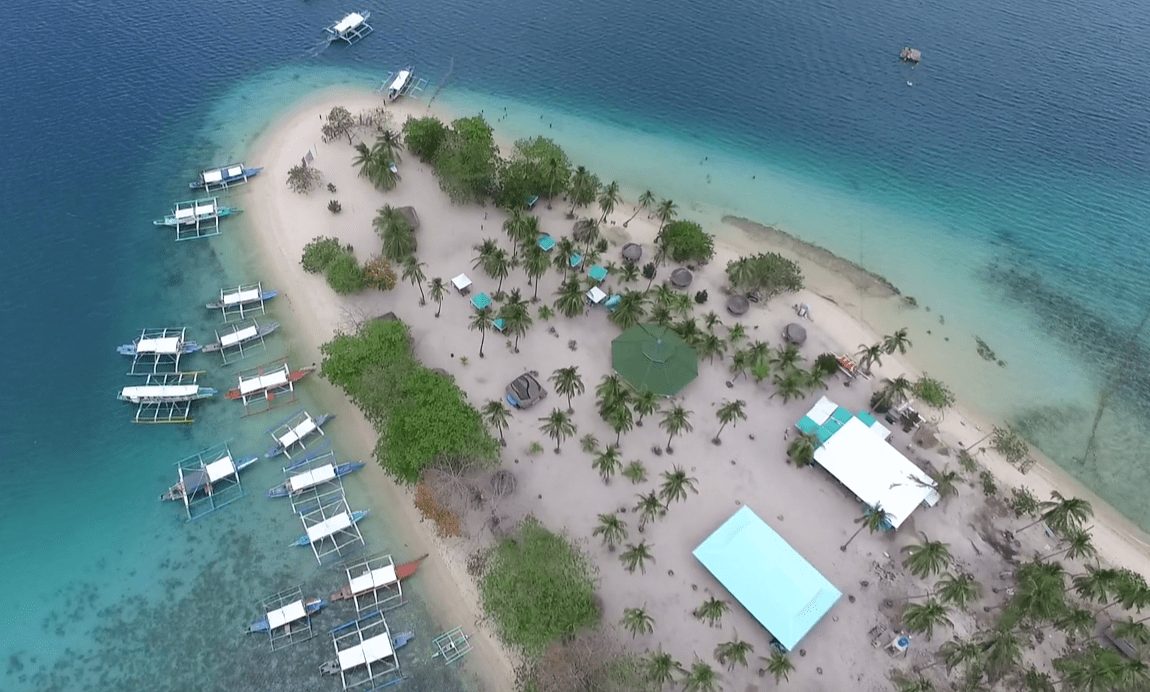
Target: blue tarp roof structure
765	574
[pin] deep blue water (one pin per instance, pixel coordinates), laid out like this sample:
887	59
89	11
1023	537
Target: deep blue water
1025	134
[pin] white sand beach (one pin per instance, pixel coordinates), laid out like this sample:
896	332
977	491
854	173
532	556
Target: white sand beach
807	507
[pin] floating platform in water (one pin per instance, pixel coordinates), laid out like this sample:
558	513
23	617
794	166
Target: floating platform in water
351	29
208	480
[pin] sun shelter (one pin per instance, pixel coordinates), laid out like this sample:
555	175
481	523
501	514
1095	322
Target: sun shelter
597	273
547	243
876	472
654	358
462	284
480	300
596	295
763	572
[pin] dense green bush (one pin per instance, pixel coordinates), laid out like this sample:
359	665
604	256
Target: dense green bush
537	588
344	274
424	136
770	273
467	161
422	418
320	252
685	241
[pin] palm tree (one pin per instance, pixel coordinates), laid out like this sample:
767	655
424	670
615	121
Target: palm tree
496	415
1132	631
535	265
869	355
1034	680
1063	513
1038	592
712	610
583	188
620	418
567	383
924	617
519	231
607	463
396	233
1076	622
957	589
437	289
646	403
740	361
498	266
946	482
611	391
363	160
1001	652
710	345
483	253
564	248
483	321
629	310
661	315
675	420
558	427
730	412
589	443
688	330
413	272
660	668
896	342
570	301
814	378
1096	584
788	385
758	352
779	666
802	449
666	212
608	199
701	678
956	652
891	394
873	518
676	483
733	652
646	201
649	507
628	273
1097	669
926	558
1078	544
516	317
914	684
786	357
612	529
637	556
736	333
637	621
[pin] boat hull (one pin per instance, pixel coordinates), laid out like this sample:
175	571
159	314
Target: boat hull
177	491
219	304
319	423
402	572
188	348
172	222
340	471
358	514
263	330
225	182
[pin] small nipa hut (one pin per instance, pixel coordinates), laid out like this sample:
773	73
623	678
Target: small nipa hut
632	252
738	304
681	278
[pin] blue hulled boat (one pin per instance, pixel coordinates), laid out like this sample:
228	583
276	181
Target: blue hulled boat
226	176
314	477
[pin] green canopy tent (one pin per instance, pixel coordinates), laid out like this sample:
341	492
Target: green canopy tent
654	358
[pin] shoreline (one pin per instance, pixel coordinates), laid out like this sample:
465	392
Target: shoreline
319	313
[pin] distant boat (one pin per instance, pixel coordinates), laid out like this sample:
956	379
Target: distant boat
195	212
297	433
311	606
355	517
167	345
399	85
397	642
908	54
219	178
264	383
197	480
402	572
319	475
242	337
239	298
165	393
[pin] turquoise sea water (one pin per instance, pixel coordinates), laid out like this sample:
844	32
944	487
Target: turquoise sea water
1006	189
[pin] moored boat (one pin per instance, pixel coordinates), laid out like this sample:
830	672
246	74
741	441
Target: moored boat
241	297
226	176
398	86
402	572
397	642
323	474
264	383
290	434
167	345
197	480
165	393
353	519
311	606
195	212
241	337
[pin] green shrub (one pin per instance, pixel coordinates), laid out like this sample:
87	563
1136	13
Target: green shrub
320	252
701	297
933	393
538	588
344	274
769	273
423	136
334	206
685	241
378	274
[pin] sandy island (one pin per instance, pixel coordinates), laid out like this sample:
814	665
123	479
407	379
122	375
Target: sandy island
807	507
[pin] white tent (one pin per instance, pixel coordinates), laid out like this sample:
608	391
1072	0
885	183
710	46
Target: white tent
875	471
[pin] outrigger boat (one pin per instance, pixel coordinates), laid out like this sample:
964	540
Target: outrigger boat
309	457
196	212
308	479
241	297
311	606
218	178
400	84
165	345
196	480
402	572
256	331
165	393
353	518
397	642
295	434
262	384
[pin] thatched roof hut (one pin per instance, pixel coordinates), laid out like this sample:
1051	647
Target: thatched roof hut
795	333
411	216
738	304
632	252
681	278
